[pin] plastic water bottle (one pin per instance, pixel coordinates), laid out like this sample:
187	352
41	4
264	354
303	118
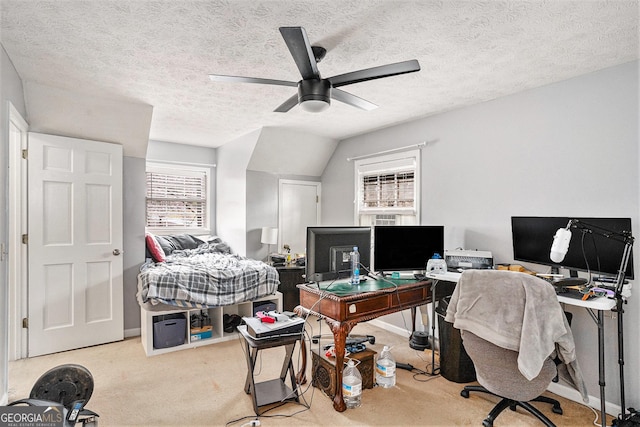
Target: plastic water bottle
352	385
436	264
386	369
355	266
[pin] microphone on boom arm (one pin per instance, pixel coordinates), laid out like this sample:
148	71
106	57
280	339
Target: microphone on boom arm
560	244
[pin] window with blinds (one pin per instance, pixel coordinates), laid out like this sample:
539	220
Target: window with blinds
176	198
388	189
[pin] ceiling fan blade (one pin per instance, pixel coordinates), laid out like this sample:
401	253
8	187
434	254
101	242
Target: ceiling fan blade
287	105
375	73
347	98
238	79
298	44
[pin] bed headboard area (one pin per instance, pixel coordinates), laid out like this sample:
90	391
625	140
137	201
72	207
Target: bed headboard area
157	247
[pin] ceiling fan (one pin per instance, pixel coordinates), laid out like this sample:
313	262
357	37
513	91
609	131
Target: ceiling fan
314	92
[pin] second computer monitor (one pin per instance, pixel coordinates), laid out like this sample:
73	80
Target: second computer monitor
406	247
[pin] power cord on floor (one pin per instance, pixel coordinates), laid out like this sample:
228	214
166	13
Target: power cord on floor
597	416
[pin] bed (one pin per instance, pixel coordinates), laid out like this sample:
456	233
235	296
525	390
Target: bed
188	271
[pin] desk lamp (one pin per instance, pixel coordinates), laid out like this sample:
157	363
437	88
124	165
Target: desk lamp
269	237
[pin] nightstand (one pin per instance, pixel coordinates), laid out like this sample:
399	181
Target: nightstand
290	277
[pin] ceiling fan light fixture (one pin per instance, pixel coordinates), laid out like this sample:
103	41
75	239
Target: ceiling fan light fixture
314	105
314	95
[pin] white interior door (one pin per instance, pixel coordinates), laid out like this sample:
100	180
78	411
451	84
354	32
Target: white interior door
299	208
74	243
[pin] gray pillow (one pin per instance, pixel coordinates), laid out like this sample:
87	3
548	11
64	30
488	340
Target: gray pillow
182	241
165	244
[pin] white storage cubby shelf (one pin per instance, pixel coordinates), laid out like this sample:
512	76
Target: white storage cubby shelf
216	315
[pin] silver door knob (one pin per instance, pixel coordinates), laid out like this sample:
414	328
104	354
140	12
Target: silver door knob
117	252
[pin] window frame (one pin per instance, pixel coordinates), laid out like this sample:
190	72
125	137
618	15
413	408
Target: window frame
388	164
176	168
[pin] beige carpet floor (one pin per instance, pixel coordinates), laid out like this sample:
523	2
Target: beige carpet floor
205	387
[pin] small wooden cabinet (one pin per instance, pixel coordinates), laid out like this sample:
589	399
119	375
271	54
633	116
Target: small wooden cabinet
290	277
323	370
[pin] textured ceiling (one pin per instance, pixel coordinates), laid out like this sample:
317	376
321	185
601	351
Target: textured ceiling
160	53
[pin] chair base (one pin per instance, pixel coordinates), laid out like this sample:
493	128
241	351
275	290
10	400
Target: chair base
512	404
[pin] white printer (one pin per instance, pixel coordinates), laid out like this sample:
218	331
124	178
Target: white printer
466	259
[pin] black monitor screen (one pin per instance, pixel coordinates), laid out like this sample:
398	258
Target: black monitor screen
328	250
406	247
533	237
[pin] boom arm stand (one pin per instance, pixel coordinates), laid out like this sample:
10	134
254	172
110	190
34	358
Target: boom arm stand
627	239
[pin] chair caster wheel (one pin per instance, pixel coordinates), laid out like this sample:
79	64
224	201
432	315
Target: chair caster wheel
487	423
557	409
464	393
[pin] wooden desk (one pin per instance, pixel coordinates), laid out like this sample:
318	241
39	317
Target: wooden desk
342	306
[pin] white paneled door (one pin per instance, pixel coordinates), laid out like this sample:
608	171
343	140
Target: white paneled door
74	243
299	208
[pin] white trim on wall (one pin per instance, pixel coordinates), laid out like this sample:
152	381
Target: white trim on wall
17	251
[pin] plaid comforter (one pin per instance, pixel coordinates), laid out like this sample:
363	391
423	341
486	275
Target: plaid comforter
206	277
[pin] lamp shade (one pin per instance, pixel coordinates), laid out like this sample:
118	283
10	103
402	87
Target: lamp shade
269	236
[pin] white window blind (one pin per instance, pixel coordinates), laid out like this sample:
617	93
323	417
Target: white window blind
176	198
388	186
388	190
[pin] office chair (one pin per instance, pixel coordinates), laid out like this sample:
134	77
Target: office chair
493	366
512	327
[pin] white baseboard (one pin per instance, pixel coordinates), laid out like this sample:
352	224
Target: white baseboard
391	328
573	394
134	332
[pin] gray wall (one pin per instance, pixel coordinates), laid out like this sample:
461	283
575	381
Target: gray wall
133	194
262	210
231	191
10	91
566	149
134	208
262	207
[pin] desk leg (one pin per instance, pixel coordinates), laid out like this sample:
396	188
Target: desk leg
601	372
250	385
434	283
287	367
340	332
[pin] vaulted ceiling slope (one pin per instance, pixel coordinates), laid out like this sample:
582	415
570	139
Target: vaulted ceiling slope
159	53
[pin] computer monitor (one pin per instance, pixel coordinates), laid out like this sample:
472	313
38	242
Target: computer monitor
533	236
406	247
328	250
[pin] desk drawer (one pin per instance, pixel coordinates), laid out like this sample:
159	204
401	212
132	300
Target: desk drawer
410	297
368	306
